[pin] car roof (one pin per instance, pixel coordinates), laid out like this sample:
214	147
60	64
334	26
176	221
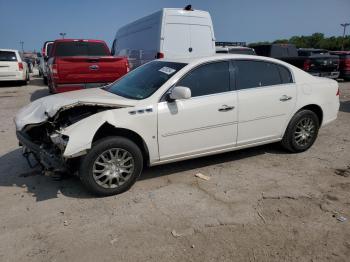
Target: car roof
234	47
215	57
11	50
340	52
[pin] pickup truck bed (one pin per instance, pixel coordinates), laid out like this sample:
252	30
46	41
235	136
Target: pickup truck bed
79	64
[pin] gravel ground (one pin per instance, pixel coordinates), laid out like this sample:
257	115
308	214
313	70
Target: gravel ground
260	204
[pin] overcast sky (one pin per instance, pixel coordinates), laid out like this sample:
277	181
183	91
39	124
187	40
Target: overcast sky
36	21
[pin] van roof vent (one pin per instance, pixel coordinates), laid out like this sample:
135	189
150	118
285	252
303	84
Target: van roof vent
188	8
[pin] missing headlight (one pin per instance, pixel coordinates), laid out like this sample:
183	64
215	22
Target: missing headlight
59	140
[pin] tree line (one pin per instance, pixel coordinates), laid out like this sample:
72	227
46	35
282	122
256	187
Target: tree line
316	40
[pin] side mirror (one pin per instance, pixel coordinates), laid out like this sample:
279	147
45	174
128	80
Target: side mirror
180	92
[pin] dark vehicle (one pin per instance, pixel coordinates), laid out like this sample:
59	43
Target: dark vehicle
344	63
77	64
317	62
233	48
29	63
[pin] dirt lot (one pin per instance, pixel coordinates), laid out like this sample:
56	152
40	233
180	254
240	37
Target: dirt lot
260	204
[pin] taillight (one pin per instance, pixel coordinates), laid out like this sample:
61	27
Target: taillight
127	66
338	92
347	62
54	68
160	55
307	65
20	66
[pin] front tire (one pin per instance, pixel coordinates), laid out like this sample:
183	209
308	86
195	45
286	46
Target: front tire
112	166
301	132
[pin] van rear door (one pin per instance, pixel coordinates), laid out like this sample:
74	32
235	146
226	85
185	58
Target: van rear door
187	34
176	39
201	38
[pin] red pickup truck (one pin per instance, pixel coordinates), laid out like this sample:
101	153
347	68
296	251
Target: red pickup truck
76	64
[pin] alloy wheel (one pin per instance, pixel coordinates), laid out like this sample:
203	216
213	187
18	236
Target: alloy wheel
113	168
305	131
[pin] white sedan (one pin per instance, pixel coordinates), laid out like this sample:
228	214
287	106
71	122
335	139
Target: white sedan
171	110
12	66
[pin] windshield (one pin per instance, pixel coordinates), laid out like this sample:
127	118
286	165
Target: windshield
144	80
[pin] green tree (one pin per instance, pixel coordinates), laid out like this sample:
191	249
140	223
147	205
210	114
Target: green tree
316	40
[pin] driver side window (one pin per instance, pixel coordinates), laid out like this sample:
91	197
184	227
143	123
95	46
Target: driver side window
208	79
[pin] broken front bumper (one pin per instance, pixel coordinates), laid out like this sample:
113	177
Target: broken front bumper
46	157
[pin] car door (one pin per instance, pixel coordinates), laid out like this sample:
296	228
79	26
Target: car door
266	99
205	122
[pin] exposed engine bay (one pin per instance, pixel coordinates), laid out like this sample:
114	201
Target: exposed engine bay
46	136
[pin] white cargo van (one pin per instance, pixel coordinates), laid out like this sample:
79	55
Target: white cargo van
170	33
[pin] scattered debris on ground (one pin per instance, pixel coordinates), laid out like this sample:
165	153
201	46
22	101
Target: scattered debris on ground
184	232
345	172
201	176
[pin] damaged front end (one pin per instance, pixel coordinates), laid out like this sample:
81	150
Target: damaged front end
45	142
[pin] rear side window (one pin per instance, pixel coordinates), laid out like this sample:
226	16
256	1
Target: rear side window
252	74
7	56
80	48
208	79
286	76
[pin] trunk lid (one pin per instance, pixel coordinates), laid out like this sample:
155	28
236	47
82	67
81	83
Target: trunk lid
8	62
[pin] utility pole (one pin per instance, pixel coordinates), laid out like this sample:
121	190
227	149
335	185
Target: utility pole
63	34
344	26
22	43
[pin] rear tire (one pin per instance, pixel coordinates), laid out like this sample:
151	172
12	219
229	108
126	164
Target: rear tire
45	80
49	85
112	166
301	132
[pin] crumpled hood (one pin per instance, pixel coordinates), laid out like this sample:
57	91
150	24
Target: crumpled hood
40	110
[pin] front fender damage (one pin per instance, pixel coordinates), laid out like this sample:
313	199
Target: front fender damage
82	133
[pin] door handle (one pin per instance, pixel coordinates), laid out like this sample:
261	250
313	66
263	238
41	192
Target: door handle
226	108
285	98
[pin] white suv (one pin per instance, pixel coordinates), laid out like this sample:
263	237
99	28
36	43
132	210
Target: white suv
12	66
171	110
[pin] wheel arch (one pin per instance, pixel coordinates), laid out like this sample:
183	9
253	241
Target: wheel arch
316	109
107	129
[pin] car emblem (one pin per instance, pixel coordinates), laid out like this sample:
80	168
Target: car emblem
94	67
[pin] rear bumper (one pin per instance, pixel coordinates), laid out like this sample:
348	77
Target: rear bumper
46	158
12	76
